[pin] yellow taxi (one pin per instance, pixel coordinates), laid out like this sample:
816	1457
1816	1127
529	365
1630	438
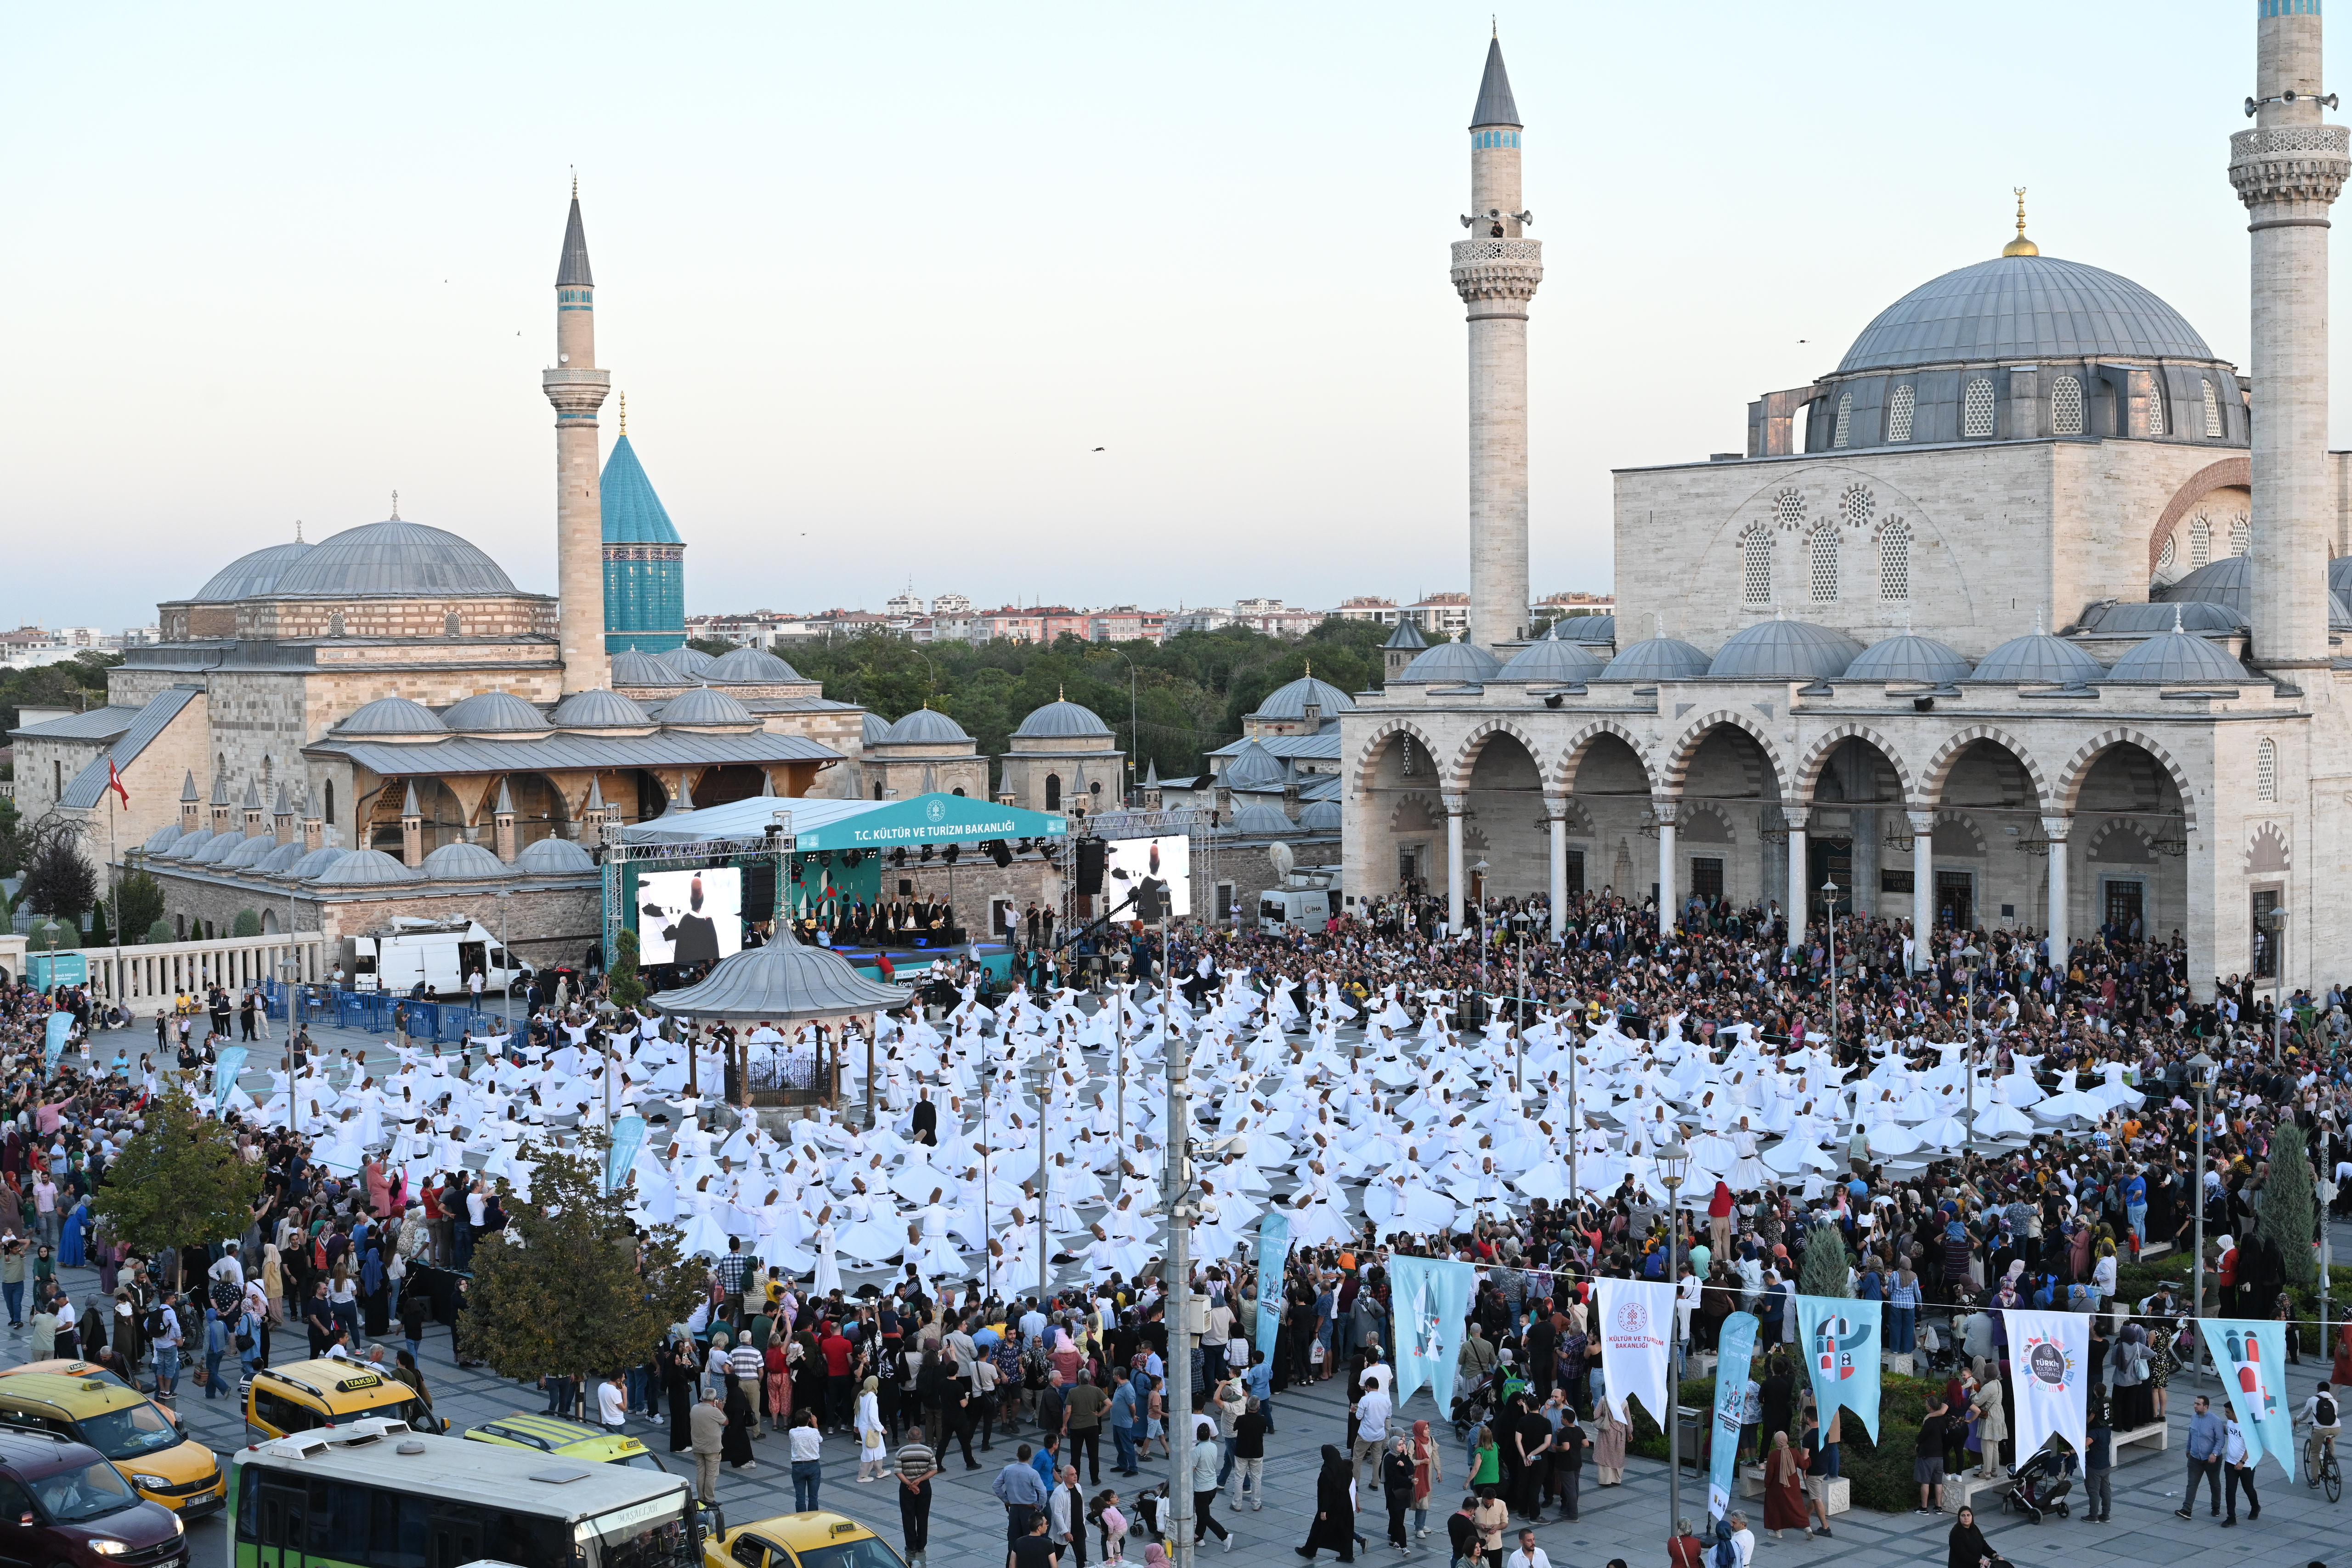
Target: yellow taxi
554	1434
128	1427
304	1394
816	1540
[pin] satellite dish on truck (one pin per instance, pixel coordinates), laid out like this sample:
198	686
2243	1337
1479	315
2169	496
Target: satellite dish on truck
1279	856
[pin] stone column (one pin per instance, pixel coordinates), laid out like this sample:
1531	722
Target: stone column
2056	829
1798	893
1454	806
2288	170
1556	817
1664	809
1923	888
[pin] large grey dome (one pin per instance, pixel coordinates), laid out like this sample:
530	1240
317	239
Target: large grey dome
250	576
926	727
703	706
635	667
388	717
1256	819
1320	817
2038	659
494	713
2230	583
1290	701
2178	659
1547	660
749	668
462	861
597	709
553	857
1657	659
1253	766
2024	308
394	559
188	845
1784	651
1908	658
1449	664
2146	619
1061	720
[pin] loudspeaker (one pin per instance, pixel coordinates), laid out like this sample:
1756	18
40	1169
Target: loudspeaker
1090	866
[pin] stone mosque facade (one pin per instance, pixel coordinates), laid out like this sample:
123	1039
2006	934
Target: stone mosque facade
2029	614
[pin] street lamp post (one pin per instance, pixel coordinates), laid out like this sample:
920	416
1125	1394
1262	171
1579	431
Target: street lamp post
2277	920
1179	1268
1478	886
506	964
1673	1168
1044	1103
1972	957
2203	1065
1829	923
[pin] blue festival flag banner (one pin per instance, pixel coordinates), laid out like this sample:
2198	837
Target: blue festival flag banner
1431	1299
60	1025
1273	1252
2250	1356
628	1137
1840	1339
1734	1350
225	1067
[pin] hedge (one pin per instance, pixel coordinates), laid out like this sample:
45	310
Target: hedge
1880	1472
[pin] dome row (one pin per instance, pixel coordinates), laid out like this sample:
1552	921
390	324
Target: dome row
458	862
504	713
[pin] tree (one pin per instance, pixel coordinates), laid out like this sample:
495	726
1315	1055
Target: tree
138	907
248	924
2289	1214
160	930
99	935
1824	1271
571	1287
179	1182
58	880
626	985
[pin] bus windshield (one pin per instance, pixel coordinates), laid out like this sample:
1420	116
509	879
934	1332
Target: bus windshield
126	1433
650	1535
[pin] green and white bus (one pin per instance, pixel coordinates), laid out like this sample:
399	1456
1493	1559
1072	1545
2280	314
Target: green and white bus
374	1494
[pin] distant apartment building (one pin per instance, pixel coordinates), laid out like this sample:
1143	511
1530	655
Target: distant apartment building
1440	617
951	604
1125	623
908	604
1368	607
1558	606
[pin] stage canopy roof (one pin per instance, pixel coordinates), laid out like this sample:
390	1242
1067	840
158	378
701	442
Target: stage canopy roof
852	824
783	982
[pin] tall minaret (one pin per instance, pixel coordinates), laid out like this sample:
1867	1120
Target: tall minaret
577	388
1495	271
2288	170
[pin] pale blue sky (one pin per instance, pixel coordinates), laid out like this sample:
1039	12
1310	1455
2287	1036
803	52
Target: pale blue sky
877	280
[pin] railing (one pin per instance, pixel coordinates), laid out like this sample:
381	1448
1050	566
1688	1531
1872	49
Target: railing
154	970
372	1012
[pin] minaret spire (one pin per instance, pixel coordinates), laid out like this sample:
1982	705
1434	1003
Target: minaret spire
577	388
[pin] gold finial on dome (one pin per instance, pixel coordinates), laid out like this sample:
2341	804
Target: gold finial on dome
2021	246
624	413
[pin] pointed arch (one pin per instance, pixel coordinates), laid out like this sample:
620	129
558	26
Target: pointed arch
1561	778
1938	772
2078	768
1368	760
1465	756
1809	771
1675	767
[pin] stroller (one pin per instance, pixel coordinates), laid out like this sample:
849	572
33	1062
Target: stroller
2042	1485
1474	1404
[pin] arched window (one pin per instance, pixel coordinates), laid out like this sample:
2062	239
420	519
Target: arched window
1895	560
2066	406
1756	565
2240	535
2200	541
2213	413
2266	770
1898	414
1053	791
1844	419
1976	408
2155	407
1825	563
2164	561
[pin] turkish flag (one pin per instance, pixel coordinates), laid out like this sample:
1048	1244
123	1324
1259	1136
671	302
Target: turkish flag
114	781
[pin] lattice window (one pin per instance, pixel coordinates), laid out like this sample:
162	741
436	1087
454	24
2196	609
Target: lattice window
2241	535
1789	509
1858	504
2213	413
1898	414
1824	561
1756	565
2164	561
1976	408
2266	770
2155	407
1844	419
2067	407
1895	560
2200	541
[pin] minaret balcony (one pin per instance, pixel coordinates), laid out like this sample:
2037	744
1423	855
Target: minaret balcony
2289	163
1498	268
576	393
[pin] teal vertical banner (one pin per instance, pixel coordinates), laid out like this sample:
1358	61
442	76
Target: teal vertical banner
1841	1340
1431	1298
628	1137
2252	1359
225	1067
1734	1351
60	1025
1273	1252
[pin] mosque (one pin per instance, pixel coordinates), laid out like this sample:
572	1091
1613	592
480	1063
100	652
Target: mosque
2030	613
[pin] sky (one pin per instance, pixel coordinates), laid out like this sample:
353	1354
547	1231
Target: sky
879	281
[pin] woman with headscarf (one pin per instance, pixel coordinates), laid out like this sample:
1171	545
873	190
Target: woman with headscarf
735	1443
1609	1446
1991	1427
2133	1403
1784	1489
1969	1548
872	1441
1428	1469
1334	1527
673	1368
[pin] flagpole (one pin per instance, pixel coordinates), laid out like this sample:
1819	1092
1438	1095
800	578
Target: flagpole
114	903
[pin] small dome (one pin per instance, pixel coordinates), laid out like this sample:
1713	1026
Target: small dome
599	709
1784	651
749	668
1060	721
281	860
1290	701
393	559
1449	664
251	576
250	852
1555	662
1254	767
704	708
162	839
359	868
2224	581
493	713
315	861
1657	659
688	660
462	861
875	728
1254	820
1909	658
553	857
634	667
2148	620
2178	659
2038	659
388	717
926	727
188	845
217	848
1585	629
1320	817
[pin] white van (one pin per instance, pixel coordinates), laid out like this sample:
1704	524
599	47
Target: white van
1294	908
442	954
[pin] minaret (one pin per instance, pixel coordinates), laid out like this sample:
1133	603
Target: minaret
577	388
1495	271
2288	171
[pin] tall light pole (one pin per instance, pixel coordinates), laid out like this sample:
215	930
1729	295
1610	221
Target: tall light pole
1479	901
506	969
1045	1100
2203	1065
1179	1294
1673	1168
1829	924
2277	921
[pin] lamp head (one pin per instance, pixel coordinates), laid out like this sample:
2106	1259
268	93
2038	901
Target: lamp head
1673	1163
2203	1064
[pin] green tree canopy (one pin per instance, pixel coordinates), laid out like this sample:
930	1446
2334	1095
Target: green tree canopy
139	900
58	880
179	1182
248	924
1824	1271
2289	1214
570	1287
624	979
